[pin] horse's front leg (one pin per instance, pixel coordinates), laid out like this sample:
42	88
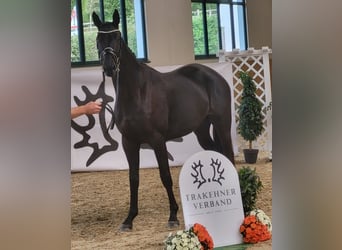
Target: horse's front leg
159	146
132	154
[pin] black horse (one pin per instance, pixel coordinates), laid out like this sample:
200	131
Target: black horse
153	107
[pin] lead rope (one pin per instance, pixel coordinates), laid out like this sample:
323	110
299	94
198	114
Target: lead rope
116	85
108	107
116	60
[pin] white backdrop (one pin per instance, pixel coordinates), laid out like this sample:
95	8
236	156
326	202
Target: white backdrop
181	151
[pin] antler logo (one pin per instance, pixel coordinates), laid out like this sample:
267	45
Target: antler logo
217	173
97	151
198	175
217	176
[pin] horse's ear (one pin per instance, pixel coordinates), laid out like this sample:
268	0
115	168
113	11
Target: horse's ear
96	20
116	18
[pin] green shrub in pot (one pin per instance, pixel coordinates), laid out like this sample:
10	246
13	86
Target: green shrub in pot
250	123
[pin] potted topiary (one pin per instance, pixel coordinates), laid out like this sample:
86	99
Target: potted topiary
250	123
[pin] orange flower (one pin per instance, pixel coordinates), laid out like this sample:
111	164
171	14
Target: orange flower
254	231
247	220
203	236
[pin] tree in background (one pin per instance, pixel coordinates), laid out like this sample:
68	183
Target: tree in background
198	29
250	116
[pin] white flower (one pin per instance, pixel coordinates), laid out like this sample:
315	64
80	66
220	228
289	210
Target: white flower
262	217
182	240
174	240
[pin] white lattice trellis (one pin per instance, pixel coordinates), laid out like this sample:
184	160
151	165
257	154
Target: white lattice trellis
257	63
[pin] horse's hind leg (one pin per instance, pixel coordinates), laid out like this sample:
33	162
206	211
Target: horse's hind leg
203	136
222	136
132	154
158	144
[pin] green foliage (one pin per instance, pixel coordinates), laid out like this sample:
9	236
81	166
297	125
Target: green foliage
198	33
250	186
109	7
250	124
75	54
90	46
91	53
72	4
269	107
213	34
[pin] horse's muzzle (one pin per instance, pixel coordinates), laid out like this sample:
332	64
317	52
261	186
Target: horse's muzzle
108	71
108	68
108	63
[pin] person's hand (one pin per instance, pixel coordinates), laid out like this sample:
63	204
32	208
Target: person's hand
86	109
92	107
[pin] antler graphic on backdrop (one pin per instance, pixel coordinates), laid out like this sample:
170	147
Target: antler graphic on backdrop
198	175
113	145
217	176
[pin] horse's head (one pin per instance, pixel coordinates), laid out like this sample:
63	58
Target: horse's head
108	43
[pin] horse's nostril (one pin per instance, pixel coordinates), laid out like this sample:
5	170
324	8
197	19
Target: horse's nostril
108	72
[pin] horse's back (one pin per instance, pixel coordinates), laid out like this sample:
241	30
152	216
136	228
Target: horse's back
199	76
193	92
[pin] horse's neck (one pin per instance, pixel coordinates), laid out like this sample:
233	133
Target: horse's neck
126	59
129	65
127	85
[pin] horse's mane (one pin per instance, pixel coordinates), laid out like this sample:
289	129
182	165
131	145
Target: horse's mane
129	49
132	53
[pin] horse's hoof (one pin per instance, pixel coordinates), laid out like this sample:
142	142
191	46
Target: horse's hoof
173	224
125	228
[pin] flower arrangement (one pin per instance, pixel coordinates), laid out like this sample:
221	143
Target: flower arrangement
262	217
196	238
203	236
182	239
253	231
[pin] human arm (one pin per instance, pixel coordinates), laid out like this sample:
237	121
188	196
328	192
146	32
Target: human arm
86	109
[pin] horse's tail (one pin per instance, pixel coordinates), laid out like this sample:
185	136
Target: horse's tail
220	141
205	139
217	141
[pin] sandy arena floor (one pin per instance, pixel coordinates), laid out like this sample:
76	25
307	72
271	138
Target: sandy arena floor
100	202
